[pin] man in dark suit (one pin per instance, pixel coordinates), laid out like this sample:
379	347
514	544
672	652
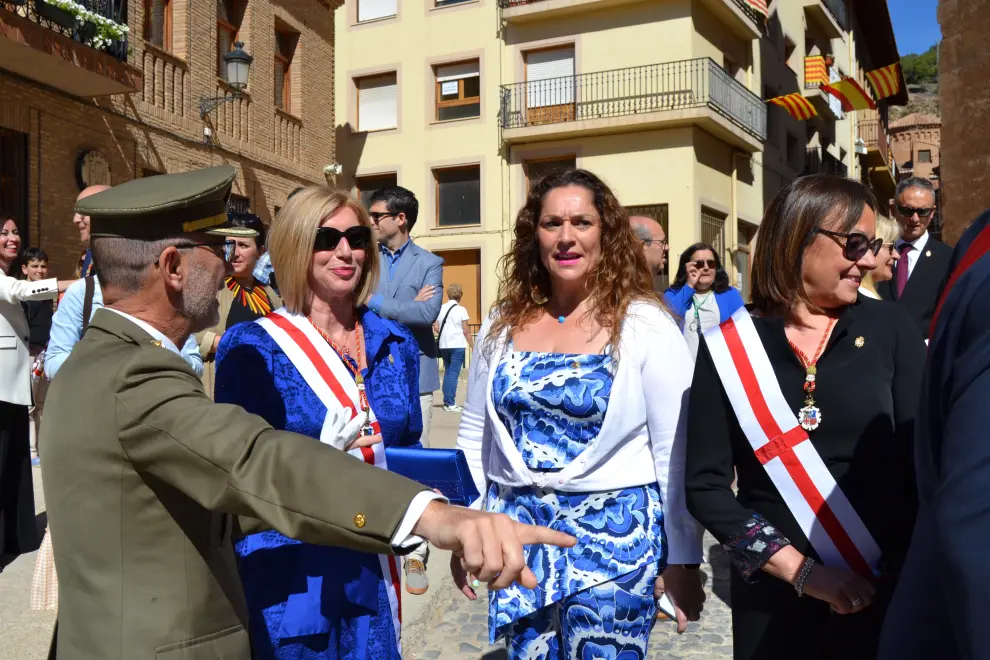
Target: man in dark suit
941	606
410	291
924	262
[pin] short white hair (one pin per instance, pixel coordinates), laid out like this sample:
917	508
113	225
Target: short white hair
123	262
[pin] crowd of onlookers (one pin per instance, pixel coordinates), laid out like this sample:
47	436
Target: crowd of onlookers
575	295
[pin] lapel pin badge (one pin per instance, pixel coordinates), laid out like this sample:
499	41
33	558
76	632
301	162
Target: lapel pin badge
928	253
859	342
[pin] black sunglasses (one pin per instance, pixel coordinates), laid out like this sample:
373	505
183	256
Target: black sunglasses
909	211
857	244
378	216
327	238
701	263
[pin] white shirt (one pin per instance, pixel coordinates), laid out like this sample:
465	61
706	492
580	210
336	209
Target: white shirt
403	537
913	255
642	438
452	332
704	311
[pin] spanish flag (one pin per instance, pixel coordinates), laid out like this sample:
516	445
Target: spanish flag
886	81
852	96
760	7
796	105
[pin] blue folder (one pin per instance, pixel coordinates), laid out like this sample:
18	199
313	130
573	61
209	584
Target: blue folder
443	469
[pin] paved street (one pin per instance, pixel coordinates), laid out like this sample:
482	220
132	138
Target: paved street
442	625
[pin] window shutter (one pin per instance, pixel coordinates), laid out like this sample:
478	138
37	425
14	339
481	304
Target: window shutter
369	10
457	71
550	77
279	83
377	107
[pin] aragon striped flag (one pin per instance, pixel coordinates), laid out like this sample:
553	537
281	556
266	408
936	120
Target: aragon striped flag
852	96
796	105
886	81
760	7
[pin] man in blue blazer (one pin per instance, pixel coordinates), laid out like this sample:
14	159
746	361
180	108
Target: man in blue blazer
942	603
410	291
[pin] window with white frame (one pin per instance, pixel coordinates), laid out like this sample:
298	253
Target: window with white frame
369	10
458	91
378	106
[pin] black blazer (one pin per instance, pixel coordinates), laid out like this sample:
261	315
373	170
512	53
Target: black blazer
925	284
941	608
868	395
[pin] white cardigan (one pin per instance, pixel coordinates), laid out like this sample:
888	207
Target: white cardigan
15	359
642	438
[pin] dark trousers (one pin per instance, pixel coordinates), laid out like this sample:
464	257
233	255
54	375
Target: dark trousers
453	360
18	531
770	621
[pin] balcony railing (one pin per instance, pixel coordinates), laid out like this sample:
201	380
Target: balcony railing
819	161
871	132
63	22
651	88
816	74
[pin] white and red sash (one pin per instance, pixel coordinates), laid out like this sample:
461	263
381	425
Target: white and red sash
809	490
325	373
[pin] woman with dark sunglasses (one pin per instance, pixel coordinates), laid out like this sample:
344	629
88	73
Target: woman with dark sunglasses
326	366
808	403
701	294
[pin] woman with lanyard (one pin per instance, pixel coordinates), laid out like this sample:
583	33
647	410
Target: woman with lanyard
809	405
325	366
243	297
701	294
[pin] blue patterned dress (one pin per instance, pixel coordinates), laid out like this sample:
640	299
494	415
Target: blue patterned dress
594	600
309	602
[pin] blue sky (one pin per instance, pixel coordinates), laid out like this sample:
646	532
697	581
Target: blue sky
915	24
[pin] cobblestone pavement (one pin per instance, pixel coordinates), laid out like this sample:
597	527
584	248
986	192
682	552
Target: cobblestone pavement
454	628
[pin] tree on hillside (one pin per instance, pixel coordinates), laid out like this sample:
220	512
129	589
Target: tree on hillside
920	69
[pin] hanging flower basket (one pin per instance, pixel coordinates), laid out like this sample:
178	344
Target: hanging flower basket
56	15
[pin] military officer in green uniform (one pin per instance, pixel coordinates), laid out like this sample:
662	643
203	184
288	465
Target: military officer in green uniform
144	474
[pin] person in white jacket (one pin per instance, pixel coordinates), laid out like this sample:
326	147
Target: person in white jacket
18	532
574	420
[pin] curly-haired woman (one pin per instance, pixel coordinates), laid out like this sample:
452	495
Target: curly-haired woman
701	294
573	420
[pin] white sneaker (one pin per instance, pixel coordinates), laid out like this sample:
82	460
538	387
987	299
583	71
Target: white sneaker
454	409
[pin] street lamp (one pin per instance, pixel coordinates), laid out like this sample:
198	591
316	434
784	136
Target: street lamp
237	64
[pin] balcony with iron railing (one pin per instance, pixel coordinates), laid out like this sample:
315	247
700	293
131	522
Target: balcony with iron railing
737	14
78	47
829	15
879	157
668	95
818	160
816	74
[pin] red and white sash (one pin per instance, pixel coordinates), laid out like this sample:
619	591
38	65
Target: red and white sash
833	527
330	380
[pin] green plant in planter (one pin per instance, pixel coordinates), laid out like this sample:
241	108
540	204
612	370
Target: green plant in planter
106	31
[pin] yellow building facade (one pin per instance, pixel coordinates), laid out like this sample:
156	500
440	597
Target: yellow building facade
467	103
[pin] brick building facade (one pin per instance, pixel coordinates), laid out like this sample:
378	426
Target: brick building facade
279	134
916	142
963	66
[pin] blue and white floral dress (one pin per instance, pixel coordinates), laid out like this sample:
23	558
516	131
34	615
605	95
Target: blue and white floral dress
594	600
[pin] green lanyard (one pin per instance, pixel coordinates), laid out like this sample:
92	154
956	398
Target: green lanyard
697	306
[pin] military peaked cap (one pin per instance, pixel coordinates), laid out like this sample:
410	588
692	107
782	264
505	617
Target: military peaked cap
165	205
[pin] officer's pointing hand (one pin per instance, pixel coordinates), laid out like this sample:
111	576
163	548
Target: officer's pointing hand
490	545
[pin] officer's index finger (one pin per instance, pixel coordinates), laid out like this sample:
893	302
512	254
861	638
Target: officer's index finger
533	534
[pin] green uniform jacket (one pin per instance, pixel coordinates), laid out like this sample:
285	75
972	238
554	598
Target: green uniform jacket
143	474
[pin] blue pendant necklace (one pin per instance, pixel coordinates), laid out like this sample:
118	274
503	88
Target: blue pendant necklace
560	319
